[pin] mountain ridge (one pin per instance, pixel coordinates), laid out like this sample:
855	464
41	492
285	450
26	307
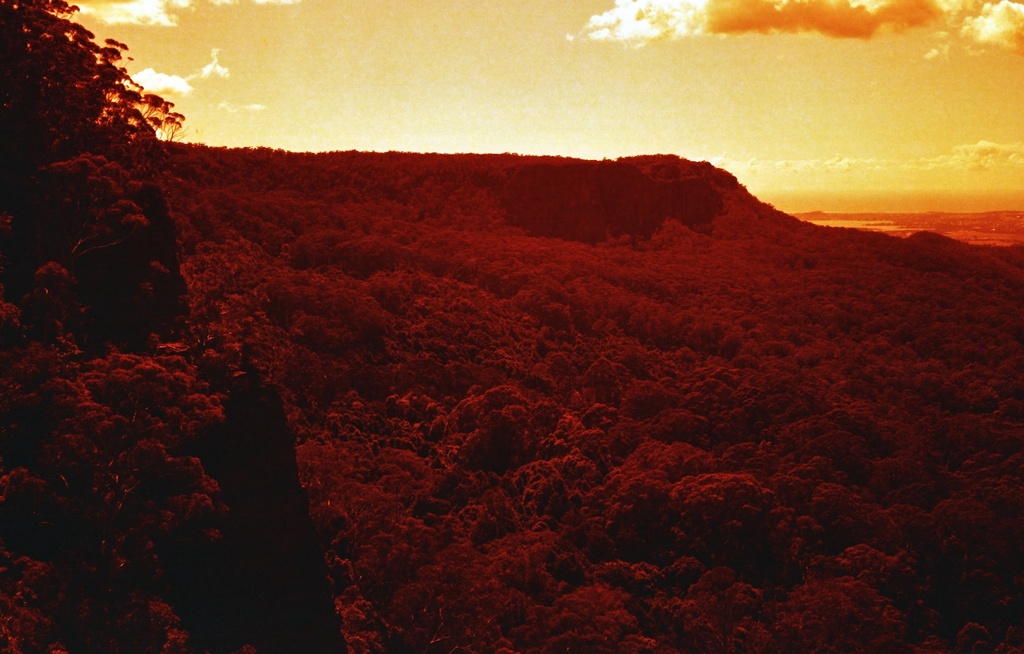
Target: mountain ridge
573	199
531	440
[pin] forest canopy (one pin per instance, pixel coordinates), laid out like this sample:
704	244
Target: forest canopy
732	432
393	402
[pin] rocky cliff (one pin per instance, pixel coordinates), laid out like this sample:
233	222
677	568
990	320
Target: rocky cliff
591	200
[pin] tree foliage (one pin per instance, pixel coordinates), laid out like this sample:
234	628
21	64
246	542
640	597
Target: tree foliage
752	435
63	95
530	417
78	149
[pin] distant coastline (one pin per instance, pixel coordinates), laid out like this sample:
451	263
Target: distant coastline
980	228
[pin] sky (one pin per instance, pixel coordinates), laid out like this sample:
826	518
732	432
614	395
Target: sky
835	105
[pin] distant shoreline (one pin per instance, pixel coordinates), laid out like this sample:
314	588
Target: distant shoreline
1002	228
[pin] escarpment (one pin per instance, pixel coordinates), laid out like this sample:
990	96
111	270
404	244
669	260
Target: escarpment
590	201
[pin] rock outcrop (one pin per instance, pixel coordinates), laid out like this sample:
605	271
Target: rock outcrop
591	200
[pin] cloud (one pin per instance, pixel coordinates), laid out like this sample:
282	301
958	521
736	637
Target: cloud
999	24
805	166
233	108
154	82
640	21
135	12
214	69
980	156
151	12
983	155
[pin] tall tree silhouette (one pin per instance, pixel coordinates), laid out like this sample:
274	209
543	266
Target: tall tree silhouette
62	94
78	146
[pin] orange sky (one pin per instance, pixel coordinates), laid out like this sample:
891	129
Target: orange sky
813	104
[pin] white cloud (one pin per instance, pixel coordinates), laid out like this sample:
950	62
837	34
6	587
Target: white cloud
135	12
983	155
803	166
151	12
214	69
645	20
993	22
980	156
154	82
999	24
640	21
233	108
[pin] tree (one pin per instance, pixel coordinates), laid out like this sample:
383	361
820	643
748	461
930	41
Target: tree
62	94
839	615
78	141
99	491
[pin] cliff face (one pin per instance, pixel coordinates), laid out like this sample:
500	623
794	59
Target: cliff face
589	201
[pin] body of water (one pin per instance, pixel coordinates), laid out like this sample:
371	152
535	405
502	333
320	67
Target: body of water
988	228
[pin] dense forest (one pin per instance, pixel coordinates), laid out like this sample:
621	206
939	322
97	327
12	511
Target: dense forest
260	401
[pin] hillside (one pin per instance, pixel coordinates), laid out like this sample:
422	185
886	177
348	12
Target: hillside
727	430
253	400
